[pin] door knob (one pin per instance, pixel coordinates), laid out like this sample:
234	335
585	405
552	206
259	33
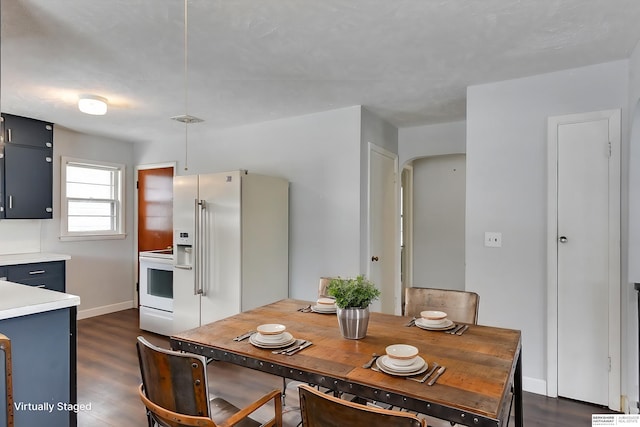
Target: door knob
562	239
374	258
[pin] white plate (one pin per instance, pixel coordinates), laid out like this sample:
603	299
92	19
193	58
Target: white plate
433	323
413	367
289	339
390	371
447	325
323	310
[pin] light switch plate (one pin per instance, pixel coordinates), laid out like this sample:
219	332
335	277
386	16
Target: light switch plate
492	239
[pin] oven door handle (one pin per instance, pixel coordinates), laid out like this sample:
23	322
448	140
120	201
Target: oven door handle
183	267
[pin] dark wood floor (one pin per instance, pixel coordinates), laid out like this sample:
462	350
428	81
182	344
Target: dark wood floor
108	376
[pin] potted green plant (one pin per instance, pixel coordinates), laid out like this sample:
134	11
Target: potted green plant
353	297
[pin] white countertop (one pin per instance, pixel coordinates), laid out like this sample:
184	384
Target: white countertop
21	300
30	258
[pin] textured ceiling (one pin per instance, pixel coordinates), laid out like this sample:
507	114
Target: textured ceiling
408	61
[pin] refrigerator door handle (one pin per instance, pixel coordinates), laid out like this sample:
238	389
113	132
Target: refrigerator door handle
203	247
196	246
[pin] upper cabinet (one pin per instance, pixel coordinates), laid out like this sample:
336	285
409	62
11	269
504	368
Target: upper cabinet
26	131
26	168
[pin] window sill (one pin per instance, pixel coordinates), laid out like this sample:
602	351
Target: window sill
92	237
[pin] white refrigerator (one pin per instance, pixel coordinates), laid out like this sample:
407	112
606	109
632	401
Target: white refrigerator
231	240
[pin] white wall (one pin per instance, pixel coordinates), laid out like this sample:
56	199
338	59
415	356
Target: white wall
18	236
101	272
629	295
506	192
320	156
439	216
433	140
383	134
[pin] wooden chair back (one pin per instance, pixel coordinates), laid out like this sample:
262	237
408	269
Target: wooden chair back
460	306
175	392
322	410
5	346
174	382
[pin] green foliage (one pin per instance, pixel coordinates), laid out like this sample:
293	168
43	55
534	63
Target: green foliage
353	293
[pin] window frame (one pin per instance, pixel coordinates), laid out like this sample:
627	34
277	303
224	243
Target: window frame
119	232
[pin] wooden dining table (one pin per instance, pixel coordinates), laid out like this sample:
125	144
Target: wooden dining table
480	386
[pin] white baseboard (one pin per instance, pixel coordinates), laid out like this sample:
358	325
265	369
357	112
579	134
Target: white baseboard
534	385
105	309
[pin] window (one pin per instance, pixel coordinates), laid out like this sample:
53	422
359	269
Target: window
92	199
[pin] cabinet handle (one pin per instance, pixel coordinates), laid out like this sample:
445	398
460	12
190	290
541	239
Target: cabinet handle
49	210
37	272
49	145
8	135
10	202
48	159
48	127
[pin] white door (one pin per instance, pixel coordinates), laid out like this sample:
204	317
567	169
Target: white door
587	259
221	247
186	301
384	245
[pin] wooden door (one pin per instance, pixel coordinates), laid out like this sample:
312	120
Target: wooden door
155	208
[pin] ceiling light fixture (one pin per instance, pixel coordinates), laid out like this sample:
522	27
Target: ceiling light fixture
92	104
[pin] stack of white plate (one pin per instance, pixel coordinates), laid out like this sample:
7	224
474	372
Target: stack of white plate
324	305
386	364
434	321
271	335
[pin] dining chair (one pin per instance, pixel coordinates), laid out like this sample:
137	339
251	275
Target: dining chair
5	347
460	306
175	392
323	410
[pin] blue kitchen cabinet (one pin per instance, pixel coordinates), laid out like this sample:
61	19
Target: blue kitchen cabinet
49	275
44	354
26	168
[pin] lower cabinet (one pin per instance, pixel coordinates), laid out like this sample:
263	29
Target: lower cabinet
48	275
44	355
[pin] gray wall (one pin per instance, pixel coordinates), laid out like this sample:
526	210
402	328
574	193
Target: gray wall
629	295
320	156
379	132
438	221
507	190
101	272
434	140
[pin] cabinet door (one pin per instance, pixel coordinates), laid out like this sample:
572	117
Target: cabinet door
26	131
28	182
48	275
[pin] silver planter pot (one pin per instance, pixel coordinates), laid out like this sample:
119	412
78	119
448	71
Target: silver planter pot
353	322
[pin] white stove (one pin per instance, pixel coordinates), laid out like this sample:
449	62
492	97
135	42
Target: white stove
156	291
159	253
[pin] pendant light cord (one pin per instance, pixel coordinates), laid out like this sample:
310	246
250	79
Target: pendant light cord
186	84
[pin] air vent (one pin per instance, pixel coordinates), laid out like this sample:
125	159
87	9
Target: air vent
187	119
